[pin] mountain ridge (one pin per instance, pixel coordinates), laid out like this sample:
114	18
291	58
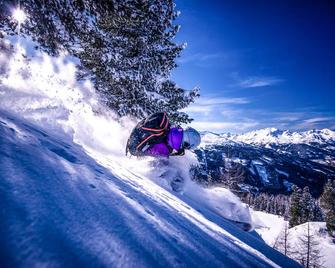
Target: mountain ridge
273	135
270	160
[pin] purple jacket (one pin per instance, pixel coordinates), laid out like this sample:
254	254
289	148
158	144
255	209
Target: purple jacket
174	140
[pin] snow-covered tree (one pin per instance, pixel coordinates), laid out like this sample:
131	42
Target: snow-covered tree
137	55
303	207
307	205
327	201
56	24
318	214
274	204
125	47
295	206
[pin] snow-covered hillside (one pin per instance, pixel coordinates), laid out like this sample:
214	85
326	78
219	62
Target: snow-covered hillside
71	198
321	239
272	229
61	208
268	226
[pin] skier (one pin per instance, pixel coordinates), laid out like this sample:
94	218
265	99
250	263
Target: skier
154	136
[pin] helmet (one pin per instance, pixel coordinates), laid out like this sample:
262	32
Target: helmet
191	138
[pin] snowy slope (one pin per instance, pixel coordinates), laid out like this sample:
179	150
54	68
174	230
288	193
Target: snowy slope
319	233
268	226
70	198
60	207
271	228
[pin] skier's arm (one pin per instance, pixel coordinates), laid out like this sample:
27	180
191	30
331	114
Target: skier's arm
159	149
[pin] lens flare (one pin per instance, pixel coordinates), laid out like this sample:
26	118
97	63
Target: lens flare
19	15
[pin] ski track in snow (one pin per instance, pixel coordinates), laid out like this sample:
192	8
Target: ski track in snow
60	208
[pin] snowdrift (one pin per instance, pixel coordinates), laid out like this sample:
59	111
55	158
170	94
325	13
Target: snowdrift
69	197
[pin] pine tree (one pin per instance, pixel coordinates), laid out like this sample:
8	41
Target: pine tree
250	199
265	201
125	47
56	24
317	212
256	202
287	210
327	201
307	205
295	206
309	253
274	204
138	56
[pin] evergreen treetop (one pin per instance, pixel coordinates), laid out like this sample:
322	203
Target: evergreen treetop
125	47
295	206
327	201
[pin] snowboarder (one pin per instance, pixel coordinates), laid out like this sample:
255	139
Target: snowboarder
154	136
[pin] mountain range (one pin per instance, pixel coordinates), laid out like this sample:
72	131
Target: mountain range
268	160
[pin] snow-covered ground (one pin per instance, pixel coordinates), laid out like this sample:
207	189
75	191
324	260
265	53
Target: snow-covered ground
71	198
324	242
270	227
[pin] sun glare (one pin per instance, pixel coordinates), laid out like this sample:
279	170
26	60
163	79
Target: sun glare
19	15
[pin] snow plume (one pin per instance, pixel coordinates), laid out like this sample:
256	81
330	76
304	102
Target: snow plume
44	90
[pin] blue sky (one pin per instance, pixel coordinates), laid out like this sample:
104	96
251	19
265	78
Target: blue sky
258	63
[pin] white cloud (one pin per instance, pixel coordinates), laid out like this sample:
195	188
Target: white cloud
198	109
288	116
220	100
207	105
253	82
218	126
316	122
318	119
199	57
225	114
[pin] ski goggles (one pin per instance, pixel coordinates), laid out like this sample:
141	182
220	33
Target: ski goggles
186	145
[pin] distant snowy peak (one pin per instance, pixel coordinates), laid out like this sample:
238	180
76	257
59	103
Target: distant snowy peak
271	136
208	137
